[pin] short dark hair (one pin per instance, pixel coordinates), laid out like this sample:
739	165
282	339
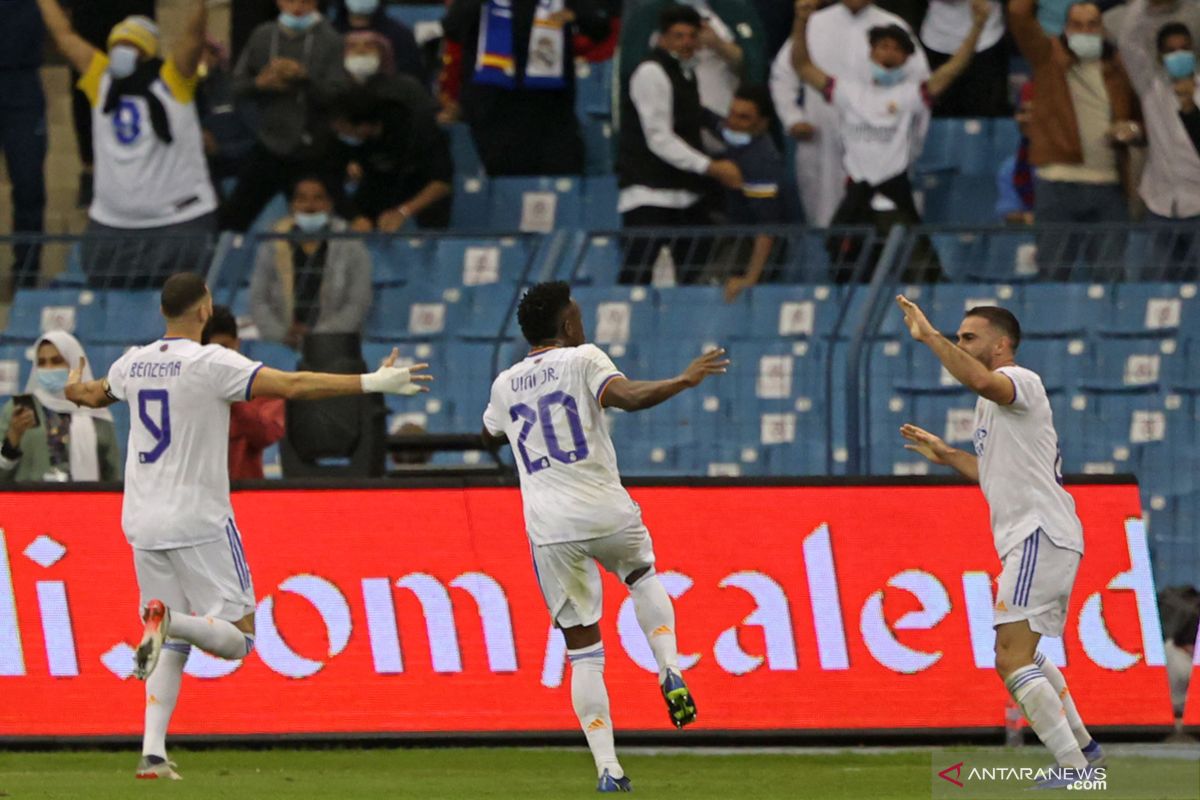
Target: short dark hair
221	323
893	32
1169	30
541	309
1000	318
314	178
674	15
358	106
181	291
759	95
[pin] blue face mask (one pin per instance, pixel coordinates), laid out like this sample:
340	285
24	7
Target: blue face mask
295	23
1180	64
52	381
884	76
364	7
736	138
350	141
311	223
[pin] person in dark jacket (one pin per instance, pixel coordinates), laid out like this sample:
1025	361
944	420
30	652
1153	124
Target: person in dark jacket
518	80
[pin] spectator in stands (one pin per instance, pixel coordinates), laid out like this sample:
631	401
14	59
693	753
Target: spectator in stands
255	424
982	91
151	176
50	438
838	44
1158	13
397	161
291	70
246	15
788	95
227	123
23	128
518	80
877	119
731	47
313	283
662	172
369	62
749	145
1166	81
94	20
369	15
1014	179
1084	117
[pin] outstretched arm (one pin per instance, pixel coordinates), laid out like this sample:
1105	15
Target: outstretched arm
809	72
923	442
966	369
388	379
191	45
630	395
947	73
89	394
73	47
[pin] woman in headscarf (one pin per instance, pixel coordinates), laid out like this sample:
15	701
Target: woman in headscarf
57	440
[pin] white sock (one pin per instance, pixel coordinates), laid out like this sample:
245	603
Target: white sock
212	635
1046	715
162	690
590	698
1059	683
656	615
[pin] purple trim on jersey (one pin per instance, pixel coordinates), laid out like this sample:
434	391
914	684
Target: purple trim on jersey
172	338
603	386
250	383
1014	383
594	654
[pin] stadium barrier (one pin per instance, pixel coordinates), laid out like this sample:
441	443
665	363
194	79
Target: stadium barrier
415	612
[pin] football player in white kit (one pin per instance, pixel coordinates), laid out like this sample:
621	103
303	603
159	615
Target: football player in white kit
550	409
1038	536
192	574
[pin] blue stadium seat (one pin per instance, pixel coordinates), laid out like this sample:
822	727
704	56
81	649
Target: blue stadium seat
413	15
953	199
598	147
462	149
997	255
1063	363
34	309
795	311
471	205
700	313
599	261
1137	361
395	261
600	195
1118	417
629	313
1063	309
271	354
412	311
593	89
950	301
511	197
948	412
131	317
1141	307
15	367
806	259
459	261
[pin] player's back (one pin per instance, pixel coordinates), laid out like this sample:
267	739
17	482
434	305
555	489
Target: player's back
548	405
177	465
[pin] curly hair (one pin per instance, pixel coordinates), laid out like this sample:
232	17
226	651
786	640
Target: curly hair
541	309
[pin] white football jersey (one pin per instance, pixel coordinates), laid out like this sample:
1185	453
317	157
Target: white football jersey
1020	467
549	408
177	465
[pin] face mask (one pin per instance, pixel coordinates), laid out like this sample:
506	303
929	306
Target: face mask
295	23
885	76
1086	46
1180	64
362	66
363	7
122	61
736	138
350	141
311	223
53	381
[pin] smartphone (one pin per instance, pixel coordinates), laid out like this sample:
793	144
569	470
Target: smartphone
26	400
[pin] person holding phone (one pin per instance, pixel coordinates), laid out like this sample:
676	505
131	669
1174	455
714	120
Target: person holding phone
49	438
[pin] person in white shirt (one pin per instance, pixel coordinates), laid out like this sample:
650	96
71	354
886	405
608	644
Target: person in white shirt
187	549
1038	536
151	174
982	91
837	41
550	409
879	122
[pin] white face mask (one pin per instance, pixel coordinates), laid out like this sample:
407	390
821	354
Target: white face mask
123	60
362	66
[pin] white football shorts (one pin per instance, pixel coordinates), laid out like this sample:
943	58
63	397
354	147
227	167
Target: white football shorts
208	580
1035	584
570	578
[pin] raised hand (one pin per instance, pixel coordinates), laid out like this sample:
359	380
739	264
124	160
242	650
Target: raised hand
923	442
76	374
981	10
711	363
914	320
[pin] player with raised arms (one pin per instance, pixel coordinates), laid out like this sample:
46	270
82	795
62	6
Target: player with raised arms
550	408
1038	536
191	570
